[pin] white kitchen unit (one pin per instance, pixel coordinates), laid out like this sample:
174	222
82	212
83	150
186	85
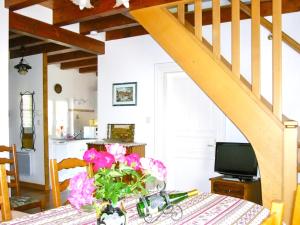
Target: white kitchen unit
60	149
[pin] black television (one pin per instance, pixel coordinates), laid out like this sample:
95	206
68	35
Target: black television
236	160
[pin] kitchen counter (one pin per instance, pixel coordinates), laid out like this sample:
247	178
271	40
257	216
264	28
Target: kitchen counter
60	149
61	140
125	144
138	148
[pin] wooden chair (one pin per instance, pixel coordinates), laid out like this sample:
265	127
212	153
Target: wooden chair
296	211
6	213
4	199
17	201
58	187
276	214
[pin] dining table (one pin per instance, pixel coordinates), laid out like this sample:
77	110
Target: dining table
203	209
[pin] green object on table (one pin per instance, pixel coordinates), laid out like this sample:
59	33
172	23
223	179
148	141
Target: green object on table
157	202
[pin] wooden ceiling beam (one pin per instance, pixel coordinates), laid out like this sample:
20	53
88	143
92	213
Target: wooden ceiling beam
113	22
22	41
79	63
89	69
19	4
35	28
125	33
72	13
37	49
69	56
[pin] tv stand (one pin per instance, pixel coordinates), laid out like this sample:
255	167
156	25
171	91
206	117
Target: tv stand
248	190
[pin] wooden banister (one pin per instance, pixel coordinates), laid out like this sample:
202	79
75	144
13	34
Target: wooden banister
269	26
198	19
255	47
216	28
277	59
181	12
235	37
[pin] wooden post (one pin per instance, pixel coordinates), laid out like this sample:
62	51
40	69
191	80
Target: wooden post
216	41
45	121
181	12
277	59
198	19
255	49
289	167
235	37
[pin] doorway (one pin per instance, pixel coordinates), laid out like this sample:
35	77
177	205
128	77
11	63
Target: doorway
188	124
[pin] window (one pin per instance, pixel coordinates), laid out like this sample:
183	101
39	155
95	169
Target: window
61	118
58	118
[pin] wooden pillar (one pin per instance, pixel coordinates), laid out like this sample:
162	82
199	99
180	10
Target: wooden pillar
45	120
289	167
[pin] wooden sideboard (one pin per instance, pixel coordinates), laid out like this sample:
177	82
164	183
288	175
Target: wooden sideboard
248	190
138	148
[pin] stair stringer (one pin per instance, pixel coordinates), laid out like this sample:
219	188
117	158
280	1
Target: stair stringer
263	130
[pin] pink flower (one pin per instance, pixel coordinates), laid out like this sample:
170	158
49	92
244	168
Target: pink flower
104	160
154	167
133	160
117	150
82	189
90	155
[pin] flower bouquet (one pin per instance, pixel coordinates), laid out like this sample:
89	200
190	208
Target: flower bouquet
115	176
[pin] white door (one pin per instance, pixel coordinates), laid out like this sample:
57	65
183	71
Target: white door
190	125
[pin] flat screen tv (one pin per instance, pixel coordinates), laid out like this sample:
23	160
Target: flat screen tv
236	160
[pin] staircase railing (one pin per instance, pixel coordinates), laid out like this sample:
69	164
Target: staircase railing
177	26
181	9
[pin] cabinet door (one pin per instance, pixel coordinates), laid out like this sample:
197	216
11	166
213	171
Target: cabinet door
230	189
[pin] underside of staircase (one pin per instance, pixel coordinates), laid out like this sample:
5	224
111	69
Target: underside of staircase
274	140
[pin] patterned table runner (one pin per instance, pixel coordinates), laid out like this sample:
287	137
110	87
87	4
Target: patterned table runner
204	209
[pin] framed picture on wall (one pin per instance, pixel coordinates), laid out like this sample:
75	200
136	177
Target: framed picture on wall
124	94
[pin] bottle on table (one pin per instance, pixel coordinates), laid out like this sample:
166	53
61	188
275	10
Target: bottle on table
159	201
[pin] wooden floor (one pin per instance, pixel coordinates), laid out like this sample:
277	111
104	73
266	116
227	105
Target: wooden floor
45	195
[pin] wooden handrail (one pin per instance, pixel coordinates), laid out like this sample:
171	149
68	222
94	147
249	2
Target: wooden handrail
269	26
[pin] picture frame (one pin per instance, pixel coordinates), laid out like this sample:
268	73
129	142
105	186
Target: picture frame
124	94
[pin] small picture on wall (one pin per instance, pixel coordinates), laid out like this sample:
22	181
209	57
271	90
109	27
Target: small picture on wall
124	94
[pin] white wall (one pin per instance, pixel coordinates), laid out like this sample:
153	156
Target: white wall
129	60
32	81
4	58
133	59
75	87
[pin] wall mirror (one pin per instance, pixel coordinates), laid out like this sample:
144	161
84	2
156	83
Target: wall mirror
27	109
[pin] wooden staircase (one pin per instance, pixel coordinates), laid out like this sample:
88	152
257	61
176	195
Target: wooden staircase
274	140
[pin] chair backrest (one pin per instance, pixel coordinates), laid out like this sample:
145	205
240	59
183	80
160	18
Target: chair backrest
13	162
4	198
296	212
276	214
58	187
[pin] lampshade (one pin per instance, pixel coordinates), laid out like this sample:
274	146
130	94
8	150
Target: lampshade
83	4
22	67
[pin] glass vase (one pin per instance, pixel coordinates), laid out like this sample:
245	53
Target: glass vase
112	215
